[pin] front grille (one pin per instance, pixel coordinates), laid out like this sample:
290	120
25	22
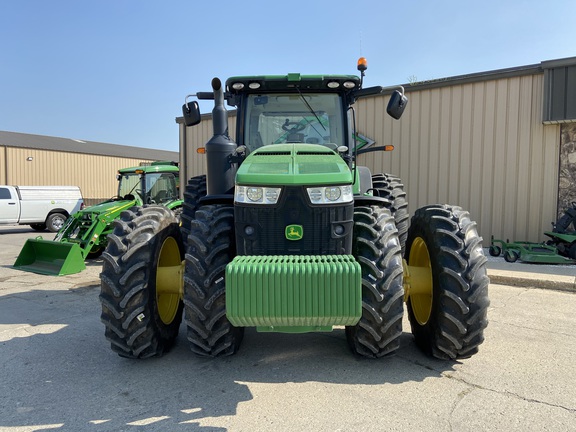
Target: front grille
260	230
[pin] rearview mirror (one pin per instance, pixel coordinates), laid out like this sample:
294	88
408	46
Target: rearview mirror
191	112
396	104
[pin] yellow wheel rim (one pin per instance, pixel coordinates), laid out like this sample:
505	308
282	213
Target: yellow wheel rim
421	295
168	280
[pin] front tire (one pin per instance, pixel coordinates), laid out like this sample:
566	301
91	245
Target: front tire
447	313
211	246
95	252
141	306
377	249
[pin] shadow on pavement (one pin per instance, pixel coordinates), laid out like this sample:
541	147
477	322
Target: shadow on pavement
62	374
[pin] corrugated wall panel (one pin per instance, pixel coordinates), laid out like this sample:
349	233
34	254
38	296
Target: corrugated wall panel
196	137
478	145
3	151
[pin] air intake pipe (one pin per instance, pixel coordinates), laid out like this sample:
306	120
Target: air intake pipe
221	172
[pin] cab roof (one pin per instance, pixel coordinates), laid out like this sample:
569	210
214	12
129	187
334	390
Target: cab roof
263	83
150	169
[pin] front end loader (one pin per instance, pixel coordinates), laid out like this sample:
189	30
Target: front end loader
287	233
85	233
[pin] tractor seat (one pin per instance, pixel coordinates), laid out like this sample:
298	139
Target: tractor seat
295	138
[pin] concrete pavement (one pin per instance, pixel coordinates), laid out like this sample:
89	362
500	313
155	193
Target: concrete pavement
59	373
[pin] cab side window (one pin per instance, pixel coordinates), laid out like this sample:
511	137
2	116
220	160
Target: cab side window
5	193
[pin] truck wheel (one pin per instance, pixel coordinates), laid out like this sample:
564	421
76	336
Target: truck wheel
55	221
447	312
195	189
211	247
377	249
38	226
391	187
140	282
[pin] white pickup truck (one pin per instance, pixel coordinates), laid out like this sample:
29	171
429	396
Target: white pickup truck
41	207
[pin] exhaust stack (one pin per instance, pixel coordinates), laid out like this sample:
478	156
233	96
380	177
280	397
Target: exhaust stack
219	113
221	172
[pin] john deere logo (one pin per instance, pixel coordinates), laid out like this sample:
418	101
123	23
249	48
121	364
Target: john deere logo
294	232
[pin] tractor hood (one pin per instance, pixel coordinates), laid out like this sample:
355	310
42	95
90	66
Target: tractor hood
109	207
293	164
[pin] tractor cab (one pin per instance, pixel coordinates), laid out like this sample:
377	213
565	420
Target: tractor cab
311	114
293	109
149	184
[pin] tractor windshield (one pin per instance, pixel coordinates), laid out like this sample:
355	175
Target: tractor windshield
313	118
129	184
160	187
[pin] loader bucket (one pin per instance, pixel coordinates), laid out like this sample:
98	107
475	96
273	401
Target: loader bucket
50	257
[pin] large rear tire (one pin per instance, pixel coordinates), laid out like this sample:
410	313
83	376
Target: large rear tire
391	187
211	246
141	305
195	189
447	312
377	249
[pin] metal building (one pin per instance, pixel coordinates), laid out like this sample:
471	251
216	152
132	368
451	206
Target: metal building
501	144
27	159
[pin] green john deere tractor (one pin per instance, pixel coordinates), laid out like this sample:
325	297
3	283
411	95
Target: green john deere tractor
85	233
286	233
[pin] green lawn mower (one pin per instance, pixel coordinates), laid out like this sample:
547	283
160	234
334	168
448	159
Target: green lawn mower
561	249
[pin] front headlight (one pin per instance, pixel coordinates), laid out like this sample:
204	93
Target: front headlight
256	195
330	194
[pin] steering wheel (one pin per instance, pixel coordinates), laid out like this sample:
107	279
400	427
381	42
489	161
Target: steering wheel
289	126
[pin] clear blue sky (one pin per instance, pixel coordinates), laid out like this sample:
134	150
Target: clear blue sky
117	71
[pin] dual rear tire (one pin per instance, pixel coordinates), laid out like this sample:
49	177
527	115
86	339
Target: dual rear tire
447	304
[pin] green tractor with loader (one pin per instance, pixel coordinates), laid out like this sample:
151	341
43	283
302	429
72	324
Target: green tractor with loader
287	233
84	235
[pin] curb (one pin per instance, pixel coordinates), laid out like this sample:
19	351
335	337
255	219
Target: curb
531	280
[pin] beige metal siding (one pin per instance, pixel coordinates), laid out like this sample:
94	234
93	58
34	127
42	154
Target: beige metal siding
3	151
191	139
480	145
94	174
